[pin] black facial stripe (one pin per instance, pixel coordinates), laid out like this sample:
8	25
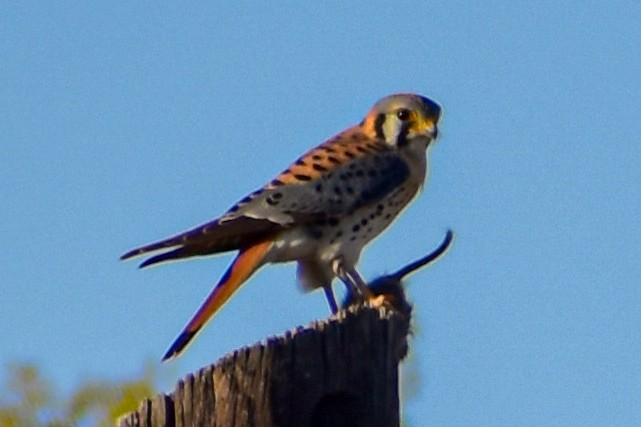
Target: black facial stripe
378	126
402	135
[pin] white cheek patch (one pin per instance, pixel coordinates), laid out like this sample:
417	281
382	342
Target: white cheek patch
391	129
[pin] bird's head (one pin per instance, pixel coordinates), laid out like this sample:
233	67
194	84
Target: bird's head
402	118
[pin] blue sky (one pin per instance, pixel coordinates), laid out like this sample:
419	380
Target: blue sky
122	125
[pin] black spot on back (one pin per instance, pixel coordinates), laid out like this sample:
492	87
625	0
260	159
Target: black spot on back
328	149
376	147
316	233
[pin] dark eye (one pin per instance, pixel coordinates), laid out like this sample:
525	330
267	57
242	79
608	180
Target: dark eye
403	115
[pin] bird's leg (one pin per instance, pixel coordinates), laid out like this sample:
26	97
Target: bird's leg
352	279
352	289
360	284
339	271
331	300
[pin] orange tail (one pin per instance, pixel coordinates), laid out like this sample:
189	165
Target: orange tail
245	264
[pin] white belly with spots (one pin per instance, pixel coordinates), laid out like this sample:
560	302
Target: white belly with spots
317	246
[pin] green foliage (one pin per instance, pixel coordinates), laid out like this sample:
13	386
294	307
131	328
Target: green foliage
29	399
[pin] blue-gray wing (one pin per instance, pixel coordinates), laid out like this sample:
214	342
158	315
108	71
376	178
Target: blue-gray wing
266	212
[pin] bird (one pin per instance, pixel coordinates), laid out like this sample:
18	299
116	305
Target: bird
319	212
388	289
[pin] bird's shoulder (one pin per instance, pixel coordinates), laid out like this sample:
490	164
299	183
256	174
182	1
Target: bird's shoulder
337	176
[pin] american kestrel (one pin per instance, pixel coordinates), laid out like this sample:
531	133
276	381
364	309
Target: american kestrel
320	212
389	290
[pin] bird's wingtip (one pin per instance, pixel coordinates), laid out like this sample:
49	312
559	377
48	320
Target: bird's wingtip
179	345
129	254
146	263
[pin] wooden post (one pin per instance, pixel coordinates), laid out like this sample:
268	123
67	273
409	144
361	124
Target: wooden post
342	371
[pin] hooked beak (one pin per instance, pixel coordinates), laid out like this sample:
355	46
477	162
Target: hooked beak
434	132
432	116
430	129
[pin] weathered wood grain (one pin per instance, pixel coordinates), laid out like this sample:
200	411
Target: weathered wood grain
342	371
